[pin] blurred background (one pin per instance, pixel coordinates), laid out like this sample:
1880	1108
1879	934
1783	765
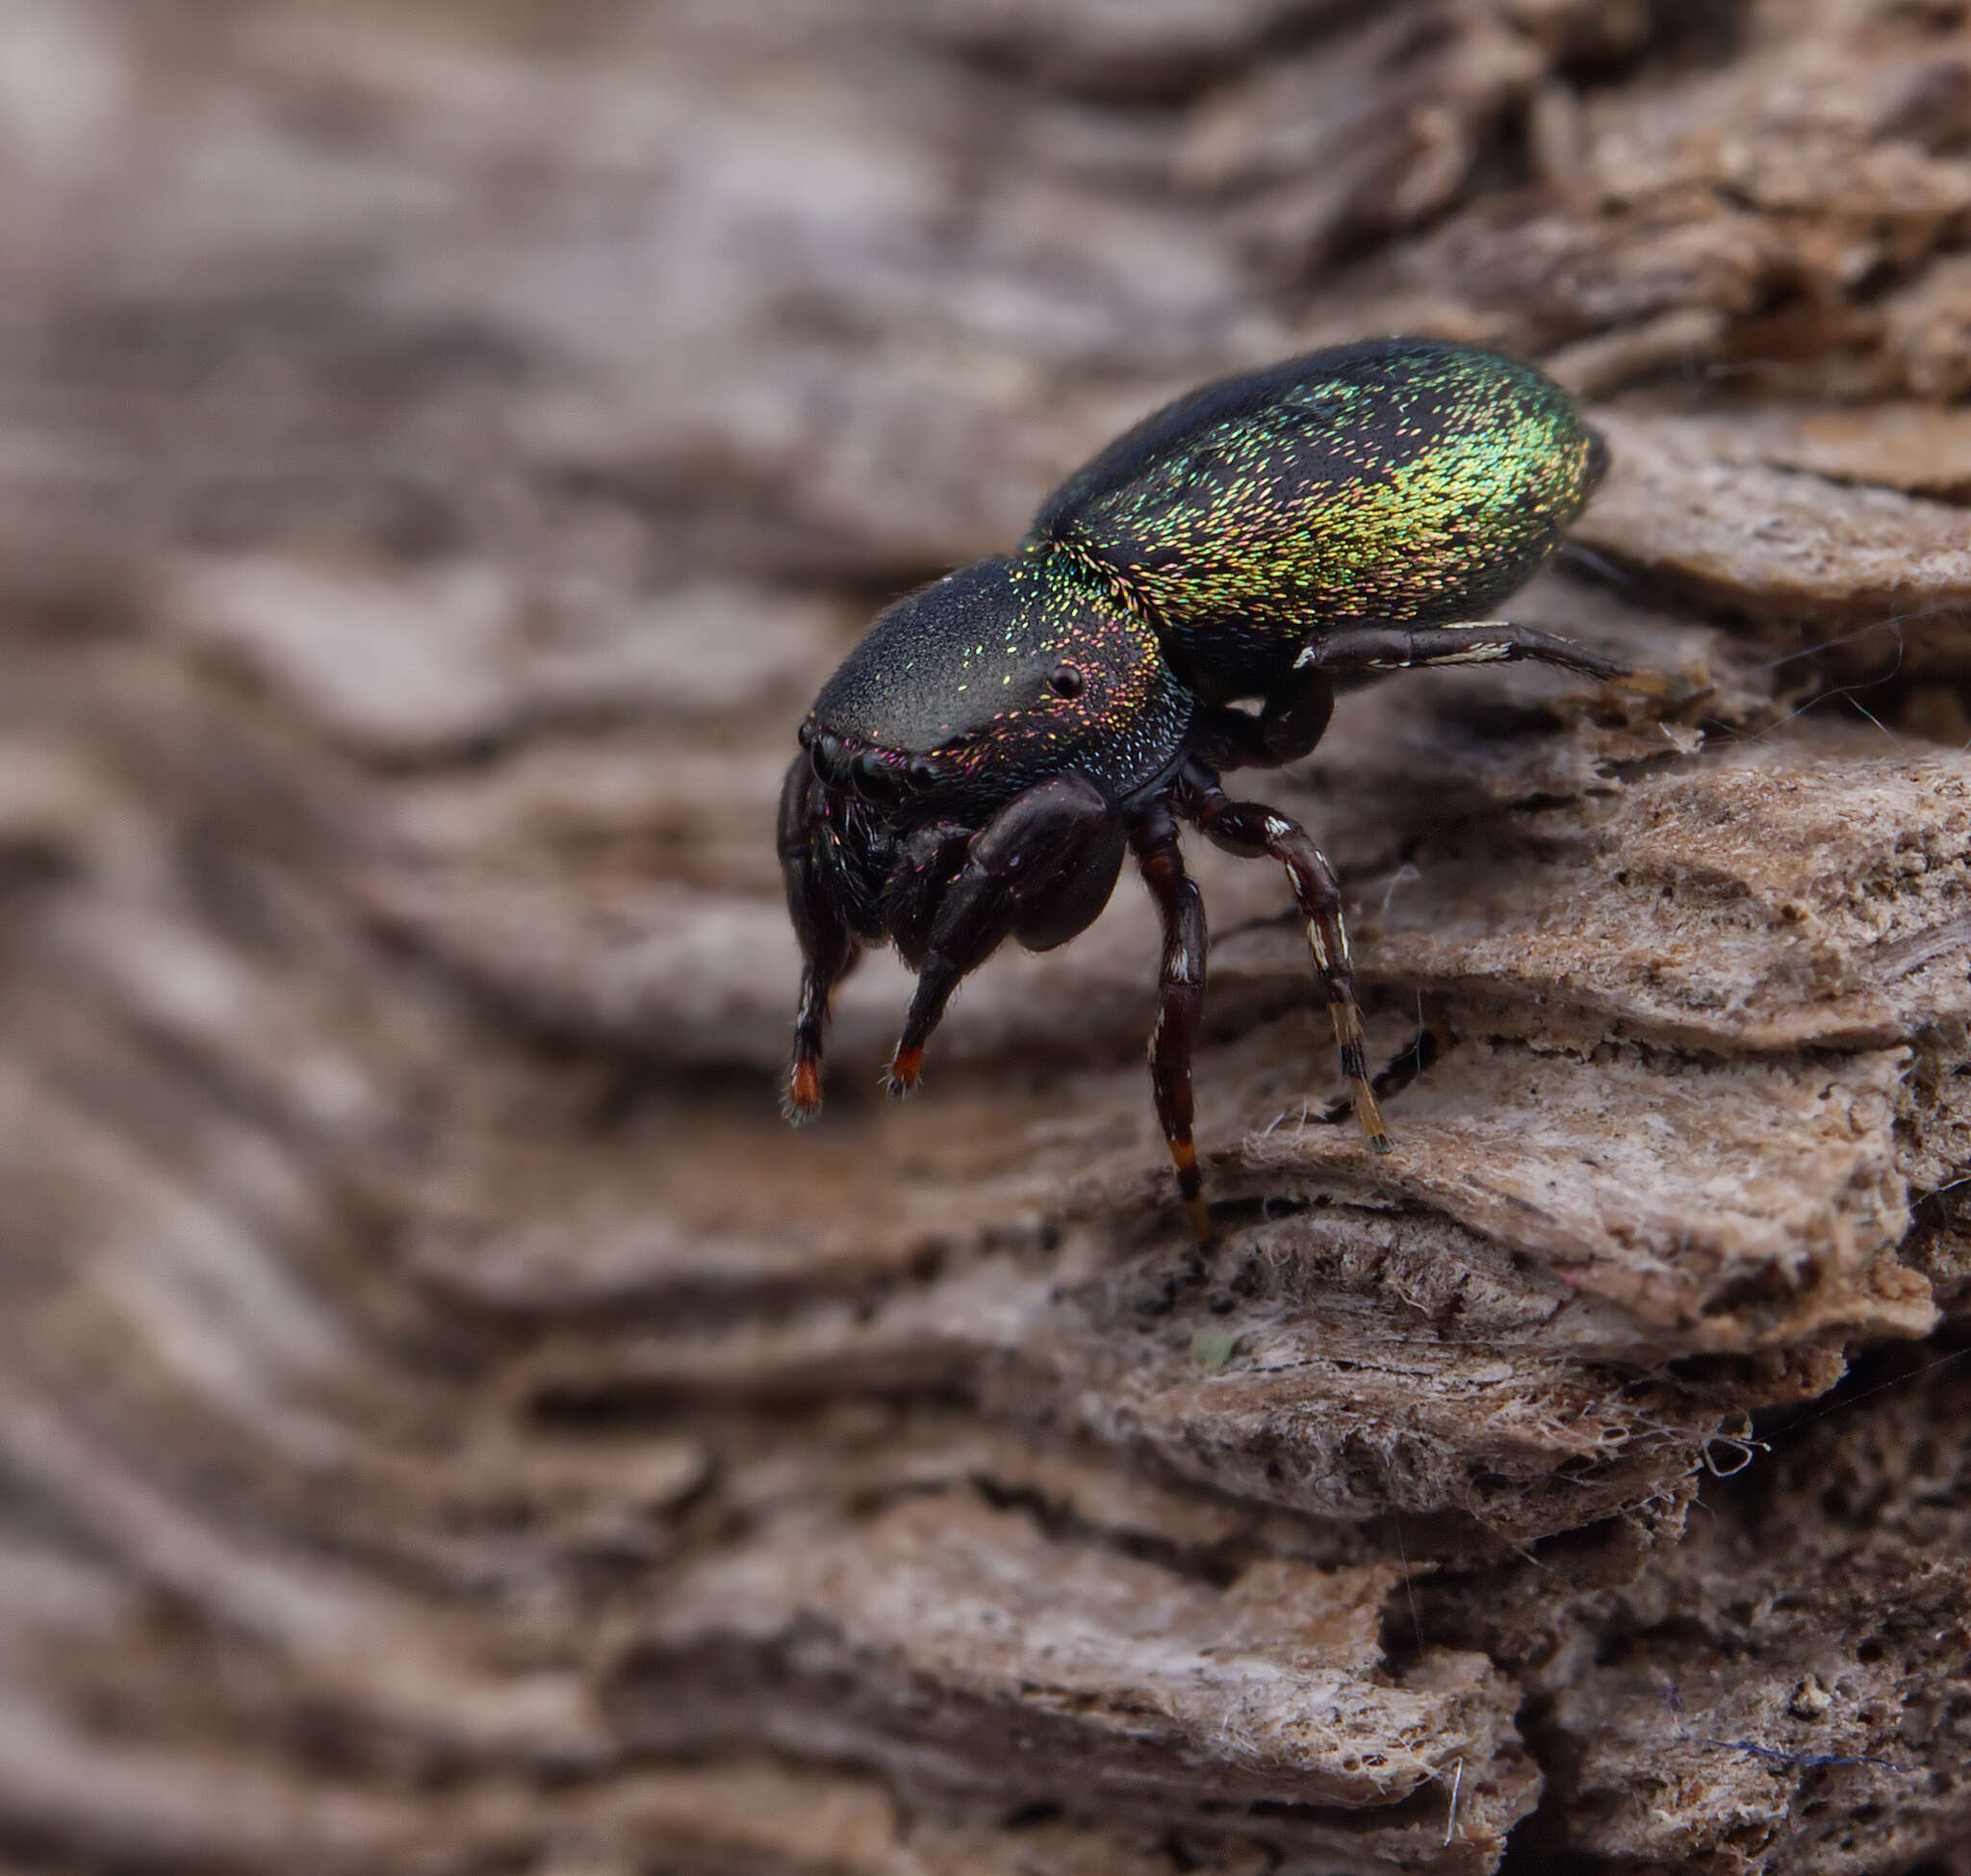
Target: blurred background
447	1421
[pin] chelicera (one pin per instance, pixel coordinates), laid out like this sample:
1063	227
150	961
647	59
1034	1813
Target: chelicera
981	763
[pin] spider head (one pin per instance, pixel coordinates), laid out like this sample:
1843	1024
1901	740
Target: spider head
1000	676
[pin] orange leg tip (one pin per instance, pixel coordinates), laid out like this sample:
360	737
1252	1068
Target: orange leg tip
1201	1227
904	1071
803	1100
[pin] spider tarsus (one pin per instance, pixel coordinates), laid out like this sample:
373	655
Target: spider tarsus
1368	1112
800	1101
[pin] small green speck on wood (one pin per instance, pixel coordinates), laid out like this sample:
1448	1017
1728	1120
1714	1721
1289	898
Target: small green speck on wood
1214	1348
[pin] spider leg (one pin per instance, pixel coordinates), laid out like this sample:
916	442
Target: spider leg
1478	641
1293	721
829	948
1254	831
931	859
1180	999
1031	870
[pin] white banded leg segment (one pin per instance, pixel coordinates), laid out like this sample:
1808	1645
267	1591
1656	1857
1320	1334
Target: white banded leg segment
1494	649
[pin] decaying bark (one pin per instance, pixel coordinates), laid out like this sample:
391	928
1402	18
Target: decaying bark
448	1423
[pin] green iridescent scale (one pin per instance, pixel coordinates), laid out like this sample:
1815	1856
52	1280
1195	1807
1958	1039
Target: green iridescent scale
1398	482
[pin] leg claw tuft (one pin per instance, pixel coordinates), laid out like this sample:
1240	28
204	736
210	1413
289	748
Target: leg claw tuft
900	1078
801	1100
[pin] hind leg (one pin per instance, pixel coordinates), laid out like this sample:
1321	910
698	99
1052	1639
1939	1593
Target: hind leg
1478	641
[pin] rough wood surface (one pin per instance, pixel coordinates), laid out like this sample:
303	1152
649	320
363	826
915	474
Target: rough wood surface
449	1424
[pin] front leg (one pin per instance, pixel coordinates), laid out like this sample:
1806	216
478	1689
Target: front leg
827	945
1033	869
1478	641
931	861
1252	830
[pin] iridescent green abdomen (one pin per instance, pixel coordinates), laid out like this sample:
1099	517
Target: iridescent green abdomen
1400	481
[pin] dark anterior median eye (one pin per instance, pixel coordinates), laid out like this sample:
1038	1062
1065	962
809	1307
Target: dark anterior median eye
1067	681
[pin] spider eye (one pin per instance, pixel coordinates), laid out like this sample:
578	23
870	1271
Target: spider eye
1067	681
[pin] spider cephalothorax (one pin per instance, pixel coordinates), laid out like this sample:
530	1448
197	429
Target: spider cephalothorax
980	764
